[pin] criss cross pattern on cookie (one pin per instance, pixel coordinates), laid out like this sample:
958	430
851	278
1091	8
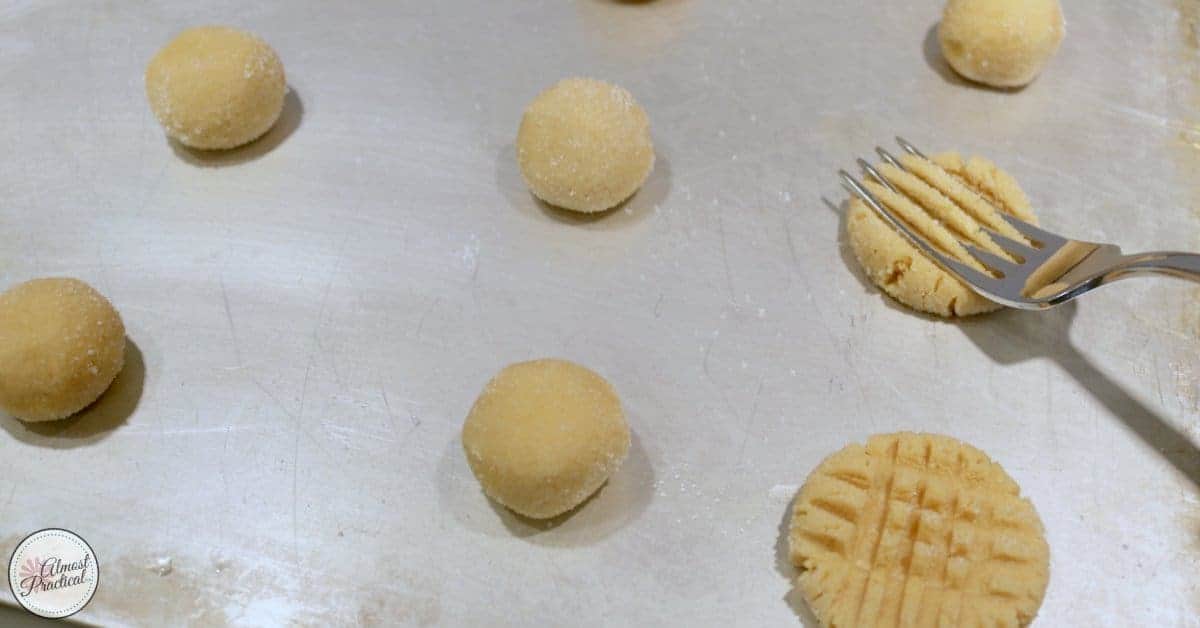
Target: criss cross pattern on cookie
917	530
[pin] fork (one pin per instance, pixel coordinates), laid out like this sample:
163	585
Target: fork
1045	271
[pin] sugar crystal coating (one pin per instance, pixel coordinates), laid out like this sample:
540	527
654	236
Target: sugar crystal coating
1003	43
544	435
61	346
584	145
214	87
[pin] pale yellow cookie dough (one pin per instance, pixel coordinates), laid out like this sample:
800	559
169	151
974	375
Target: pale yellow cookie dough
584	145
961	197
917	530
215	87
61	346
1003	43
544	435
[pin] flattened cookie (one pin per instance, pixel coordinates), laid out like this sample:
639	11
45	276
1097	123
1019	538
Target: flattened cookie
949	201
917	530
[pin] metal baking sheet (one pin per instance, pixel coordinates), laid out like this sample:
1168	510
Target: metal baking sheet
311	317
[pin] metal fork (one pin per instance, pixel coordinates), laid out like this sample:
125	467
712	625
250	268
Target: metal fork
1047	271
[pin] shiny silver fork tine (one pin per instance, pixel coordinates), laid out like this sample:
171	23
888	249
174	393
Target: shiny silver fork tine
909	148
994	262
1016	249
870	170
1046	239
891	159
886	156
964	272
1012	247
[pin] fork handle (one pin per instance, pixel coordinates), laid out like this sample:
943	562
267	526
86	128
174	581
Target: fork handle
1175	264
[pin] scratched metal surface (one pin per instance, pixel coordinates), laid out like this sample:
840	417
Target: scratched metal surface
311	317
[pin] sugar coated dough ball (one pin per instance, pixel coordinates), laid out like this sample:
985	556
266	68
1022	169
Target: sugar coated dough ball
1004	43
917	530
61	346
214	87
584	145
544	435
965	194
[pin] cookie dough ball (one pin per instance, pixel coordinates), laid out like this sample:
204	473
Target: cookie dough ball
955	198
584	145
917	530
61	345
544	435
1004	43
214	87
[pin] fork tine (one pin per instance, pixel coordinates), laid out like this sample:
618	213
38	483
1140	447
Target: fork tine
963	271
869	169
1046	239
891	159
863	194
1014	248
1040	236
909	148
994	262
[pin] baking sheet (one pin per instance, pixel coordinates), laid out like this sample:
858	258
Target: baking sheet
310	317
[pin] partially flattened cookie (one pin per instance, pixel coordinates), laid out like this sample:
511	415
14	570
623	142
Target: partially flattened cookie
948	200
